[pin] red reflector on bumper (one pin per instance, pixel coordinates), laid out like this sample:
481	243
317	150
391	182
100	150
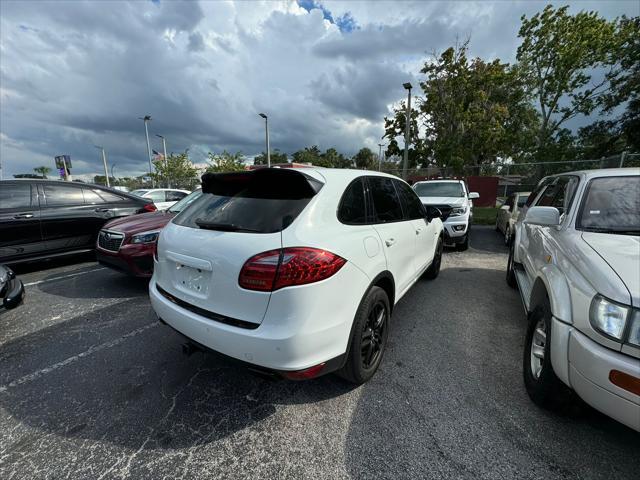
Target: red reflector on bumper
625	381
305	374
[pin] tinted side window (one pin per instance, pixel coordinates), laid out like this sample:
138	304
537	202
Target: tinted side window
15	196
108	197
90	196
63	195
385	200
174	196
352	209
411	204
543	183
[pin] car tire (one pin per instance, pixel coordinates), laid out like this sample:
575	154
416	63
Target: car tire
543	386
461	247
434	269
370	334
511	273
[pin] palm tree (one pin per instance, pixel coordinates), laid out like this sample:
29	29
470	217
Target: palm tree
42	170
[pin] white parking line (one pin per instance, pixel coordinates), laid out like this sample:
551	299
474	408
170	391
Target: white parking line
91	350
63	276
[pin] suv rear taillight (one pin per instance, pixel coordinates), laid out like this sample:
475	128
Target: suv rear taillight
149	207
275	269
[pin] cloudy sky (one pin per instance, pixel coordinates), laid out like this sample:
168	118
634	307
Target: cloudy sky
78	73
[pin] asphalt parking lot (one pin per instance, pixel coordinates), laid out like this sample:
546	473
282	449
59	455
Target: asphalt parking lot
93	387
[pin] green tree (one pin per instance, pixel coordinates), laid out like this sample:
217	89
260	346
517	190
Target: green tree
225	162
42	170
102	180
308	155
558	54
365	159
471	112
276	157
175	171
332	158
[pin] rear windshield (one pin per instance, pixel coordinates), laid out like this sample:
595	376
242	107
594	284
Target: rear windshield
439	189
261	201
611	205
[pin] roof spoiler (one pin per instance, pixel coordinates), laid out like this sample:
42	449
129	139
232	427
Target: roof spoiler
275	183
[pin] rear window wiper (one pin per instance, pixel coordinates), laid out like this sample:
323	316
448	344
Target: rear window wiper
223	227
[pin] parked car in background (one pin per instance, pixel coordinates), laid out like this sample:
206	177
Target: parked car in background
11	289
453	199
127	244
163	198
576	260
46	218
295	271
508	214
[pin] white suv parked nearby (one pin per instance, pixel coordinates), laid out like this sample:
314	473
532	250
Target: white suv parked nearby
453	199
576	261
295	271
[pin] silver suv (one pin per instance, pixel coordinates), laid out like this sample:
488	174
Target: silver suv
576	261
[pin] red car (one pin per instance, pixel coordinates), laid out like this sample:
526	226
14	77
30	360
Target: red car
127	244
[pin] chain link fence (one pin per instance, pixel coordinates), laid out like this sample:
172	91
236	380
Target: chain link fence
519	177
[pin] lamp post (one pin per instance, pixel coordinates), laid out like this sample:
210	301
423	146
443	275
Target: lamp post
405	160
266	128
380	156
104	162
146	119
164	149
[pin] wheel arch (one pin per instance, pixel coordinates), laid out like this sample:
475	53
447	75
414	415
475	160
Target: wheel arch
552	284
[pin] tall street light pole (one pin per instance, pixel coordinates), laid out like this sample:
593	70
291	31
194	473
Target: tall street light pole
380	156
164	149
405	160
147	118
104	162
266	128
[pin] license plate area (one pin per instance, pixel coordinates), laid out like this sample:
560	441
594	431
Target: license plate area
191	280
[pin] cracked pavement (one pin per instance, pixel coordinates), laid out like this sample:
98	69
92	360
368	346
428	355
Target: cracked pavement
93	387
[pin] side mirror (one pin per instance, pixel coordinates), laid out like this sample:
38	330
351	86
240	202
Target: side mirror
543	216
433	212
474	195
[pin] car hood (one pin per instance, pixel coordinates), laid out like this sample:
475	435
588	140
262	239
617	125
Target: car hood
622	253
452	201
140	223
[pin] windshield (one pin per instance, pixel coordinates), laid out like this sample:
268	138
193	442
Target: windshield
439	189
611	205
182	204
139	193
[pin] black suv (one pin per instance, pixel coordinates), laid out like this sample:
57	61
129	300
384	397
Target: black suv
46	218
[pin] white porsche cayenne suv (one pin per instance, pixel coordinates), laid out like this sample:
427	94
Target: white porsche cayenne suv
295	271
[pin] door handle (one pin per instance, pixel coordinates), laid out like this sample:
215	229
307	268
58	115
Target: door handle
101	210
390	241
23	215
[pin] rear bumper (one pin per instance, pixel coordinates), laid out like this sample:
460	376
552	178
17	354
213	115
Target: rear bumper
590	366
303	327
136	260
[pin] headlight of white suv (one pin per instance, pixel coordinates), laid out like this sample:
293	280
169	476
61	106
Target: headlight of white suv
457	211
607	317
145	237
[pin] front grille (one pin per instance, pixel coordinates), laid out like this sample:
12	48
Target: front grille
445	209
110	240
206	313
